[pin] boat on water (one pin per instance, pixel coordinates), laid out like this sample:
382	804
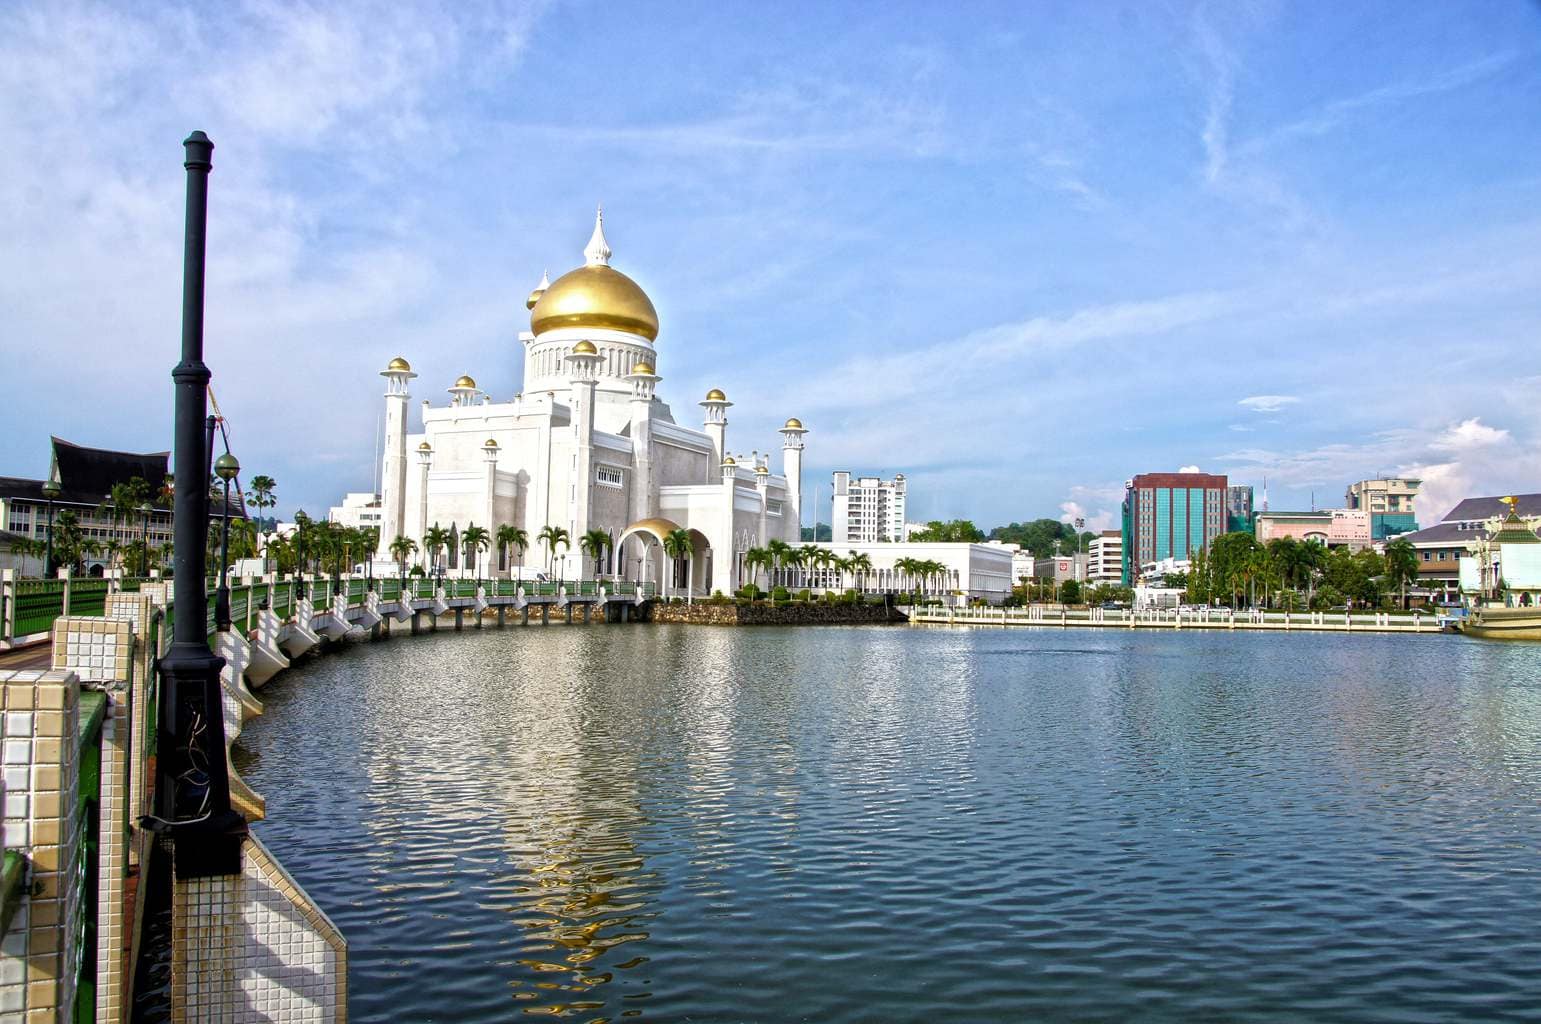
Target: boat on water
1500	622
1503	581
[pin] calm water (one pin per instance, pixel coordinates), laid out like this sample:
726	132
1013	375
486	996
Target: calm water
694	824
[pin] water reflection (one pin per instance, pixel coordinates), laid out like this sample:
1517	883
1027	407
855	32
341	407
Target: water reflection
885	824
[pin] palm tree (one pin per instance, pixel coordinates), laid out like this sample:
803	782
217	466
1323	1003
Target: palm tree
434	539
677	545
810	556
473	542
403	548
861	565
754	560
512	537
779	550
595	542
260	497
552	537
1401	565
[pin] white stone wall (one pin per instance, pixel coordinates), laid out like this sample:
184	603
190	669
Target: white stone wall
254	948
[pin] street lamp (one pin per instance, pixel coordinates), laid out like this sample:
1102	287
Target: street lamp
50	491
227	469
144	540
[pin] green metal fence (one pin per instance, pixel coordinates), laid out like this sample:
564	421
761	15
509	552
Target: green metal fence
38	603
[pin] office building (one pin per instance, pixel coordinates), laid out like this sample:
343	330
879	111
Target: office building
1170	515
1105	557
1389	502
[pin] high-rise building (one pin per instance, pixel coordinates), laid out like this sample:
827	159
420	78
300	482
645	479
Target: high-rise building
1389	502
1170	515
867	509
1238	508
1106	555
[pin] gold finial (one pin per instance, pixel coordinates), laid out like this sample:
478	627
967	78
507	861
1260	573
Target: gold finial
1510	500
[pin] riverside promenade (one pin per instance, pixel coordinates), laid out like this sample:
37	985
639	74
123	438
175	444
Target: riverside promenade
80	684
1171	618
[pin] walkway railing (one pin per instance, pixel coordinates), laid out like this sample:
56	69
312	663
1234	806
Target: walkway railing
1171	618
30	606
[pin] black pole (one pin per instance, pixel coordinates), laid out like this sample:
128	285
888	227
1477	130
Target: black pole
192	791
222	595
48	558
144	543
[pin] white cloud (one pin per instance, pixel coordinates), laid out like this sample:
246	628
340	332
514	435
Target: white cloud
1268	403
1469	434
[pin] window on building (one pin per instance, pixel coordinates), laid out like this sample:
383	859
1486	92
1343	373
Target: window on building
609	476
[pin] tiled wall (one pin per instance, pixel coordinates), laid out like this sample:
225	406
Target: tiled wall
100	652
40	952
254	947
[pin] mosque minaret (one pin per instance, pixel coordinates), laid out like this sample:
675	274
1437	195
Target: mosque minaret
587	444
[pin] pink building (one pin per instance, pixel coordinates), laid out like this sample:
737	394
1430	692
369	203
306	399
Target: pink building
1337	527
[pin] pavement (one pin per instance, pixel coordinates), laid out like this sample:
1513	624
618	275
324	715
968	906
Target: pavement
33	657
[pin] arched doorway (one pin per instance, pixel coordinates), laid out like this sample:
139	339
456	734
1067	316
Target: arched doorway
641	558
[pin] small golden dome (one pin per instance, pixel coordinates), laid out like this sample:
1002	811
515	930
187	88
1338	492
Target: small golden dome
490	443
793	424
466	382
540	289
643	368
400	364
585	348
425	447
727	460
595	296
715	395
762	470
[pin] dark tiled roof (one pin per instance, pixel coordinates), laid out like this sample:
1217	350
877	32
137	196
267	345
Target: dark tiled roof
1487	508
1441	533
88	474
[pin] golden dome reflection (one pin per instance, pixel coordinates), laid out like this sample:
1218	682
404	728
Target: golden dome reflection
595	296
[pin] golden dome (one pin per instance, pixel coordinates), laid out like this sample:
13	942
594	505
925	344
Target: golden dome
595	296
727	460
425	447
490	443
716	395
643	368
793	424
762	470
400	364
585	348
466	382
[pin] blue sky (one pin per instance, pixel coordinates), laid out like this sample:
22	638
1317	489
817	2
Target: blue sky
1018	252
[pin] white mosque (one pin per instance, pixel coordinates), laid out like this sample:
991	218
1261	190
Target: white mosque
587	445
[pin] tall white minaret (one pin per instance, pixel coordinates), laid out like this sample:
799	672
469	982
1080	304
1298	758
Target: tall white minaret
490	506
393	476
582	361
716	405
792	467
643	382
424	463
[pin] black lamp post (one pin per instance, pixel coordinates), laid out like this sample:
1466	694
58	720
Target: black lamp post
227	469
50	491
192	784
144	540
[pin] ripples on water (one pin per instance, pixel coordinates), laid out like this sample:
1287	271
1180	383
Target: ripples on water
885	824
